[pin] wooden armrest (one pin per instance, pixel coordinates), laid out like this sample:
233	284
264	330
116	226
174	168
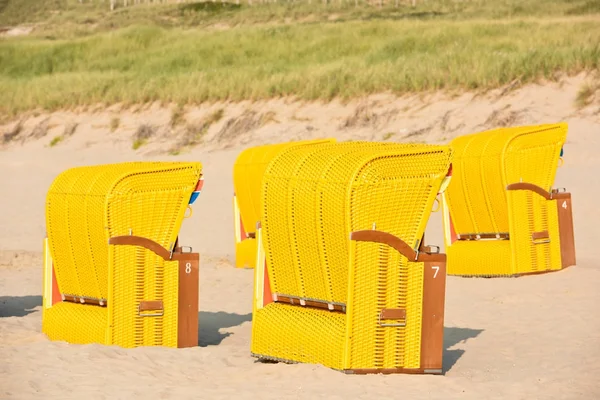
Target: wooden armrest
396	243
152	246
530	187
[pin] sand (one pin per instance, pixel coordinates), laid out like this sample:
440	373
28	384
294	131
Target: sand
535	337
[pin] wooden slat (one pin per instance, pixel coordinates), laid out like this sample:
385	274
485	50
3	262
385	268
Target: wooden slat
540	235
531	187
151	305
432	329
84	300
393	313
187	313
396	243
565	226
321	304
479	236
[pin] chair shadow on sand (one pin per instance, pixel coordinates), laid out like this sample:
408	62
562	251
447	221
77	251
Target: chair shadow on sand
452	337
18	306
209	324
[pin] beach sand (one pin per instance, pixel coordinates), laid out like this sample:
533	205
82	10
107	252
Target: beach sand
533	337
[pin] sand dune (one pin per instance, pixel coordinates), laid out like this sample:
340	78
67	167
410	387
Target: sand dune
533	337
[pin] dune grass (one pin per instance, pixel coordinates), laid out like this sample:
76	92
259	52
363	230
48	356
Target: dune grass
148	62
72	18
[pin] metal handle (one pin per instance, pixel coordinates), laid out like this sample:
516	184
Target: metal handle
540	241
429	249
439	205
182	248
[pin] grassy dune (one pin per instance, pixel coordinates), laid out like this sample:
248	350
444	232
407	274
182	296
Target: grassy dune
68	18
141	59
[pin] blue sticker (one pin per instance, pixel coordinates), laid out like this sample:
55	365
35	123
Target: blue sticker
194	197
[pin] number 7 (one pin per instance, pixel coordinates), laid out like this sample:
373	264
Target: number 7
437	269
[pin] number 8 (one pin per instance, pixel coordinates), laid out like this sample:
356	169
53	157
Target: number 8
188	268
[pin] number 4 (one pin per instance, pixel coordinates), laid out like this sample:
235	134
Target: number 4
437	269
564	204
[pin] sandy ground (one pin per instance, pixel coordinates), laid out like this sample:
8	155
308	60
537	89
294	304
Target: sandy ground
533	337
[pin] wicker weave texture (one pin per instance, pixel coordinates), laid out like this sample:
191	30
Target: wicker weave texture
476	193
88	205
532	213
149	278
476	257
293	333
76	323
248	171
313	197
382	278
484	164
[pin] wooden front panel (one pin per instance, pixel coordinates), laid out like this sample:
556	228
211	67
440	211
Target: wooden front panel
187	332
432	331
565	226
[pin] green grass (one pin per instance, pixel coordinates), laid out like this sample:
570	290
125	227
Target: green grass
177	116
114	123
69	18
56	140
137	143
142	135
586	93
215	117
146	53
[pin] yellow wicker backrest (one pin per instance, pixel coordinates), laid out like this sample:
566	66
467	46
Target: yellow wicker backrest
485	162
248	170
533	155
86	206
314	196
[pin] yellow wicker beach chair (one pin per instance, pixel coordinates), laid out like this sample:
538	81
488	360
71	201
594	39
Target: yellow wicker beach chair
344	280
501	215
113	271
248	170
